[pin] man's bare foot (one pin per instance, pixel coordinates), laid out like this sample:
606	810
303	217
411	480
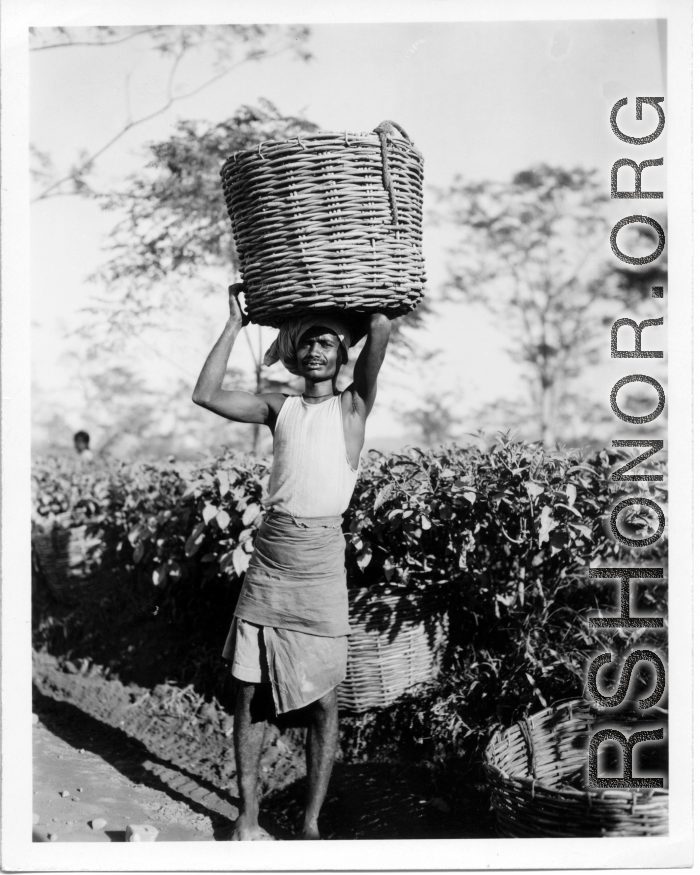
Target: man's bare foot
245	829
309	831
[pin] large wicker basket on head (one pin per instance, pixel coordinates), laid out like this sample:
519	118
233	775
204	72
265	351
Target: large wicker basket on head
395	644
537	772
328	221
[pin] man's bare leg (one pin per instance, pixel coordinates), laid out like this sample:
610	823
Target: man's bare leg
321	746
248	737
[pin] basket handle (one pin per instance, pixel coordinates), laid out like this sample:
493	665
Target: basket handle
383	127
524	727
382	131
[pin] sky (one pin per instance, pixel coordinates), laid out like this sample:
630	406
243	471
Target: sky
483	100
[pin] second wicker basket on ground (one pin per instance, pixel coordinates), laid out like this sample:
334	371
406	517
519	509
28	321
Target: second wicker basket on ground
328	221
70	561
394	645
537	772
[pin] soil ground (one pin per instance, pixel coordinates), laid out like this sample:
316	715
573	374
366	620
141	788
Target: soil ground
128	711
96	788
116	761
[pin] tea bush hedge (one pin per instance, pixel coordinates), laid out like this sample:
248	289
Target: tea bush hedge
505	535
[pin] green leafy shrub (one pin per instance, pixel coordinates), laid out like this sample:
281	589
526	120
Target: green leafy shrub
197	542
508	535
183	534
503	536
65	491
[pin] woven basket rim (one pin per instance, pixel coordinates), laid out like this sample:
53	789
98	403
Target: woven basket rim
600	793
345	136
537	785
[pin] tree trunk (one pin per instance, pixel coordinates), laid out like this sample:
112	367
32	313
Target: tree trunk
255	449
547	413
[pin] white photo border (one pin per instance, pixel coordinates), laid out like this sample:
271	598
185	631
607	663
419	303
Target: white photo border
19	853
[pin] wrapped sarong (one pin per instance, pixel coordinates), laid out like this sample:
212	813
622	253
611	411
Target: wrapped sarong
296	576
300	667
295	593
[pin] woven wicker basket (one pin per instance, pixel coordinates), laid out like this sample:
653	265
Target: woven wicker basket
328	221
395	644
70	561
536	770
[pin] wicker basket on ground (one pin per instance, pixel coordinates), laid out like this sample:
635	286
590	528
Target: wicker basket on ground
394	645
70	561
537	769
328	221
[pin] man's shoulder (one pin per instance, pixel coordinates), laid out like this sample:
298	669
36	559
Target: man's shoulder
275	400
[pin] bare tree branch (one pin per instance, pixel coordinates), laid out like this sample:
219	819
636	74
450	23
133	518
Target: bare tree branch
113	42
86	164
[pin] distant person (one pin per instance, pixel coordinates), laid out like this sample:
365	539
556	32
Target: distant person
81	440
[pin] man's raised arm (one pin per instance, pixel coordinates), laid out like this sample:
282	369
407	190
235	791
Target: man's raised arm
238	406
369	361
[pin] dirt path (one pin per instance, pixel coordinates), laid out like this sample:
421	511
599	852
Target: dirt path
85	771
136	764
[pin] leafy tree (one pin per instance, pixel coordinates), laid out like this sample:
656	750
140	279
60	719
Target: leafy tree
131	418
635	281
225	48
174	223
229	46
128	418
433	420
173	243
534	252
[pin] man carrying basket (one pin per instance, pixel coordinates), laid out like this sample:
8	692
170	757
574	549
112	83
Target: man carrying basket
290	624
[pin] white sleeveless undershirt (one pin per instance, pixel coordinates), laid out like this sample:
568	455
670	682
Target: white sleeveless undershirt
311	475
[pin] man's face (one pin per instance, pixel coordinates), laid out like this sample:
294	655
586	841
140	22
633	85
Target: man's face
318	354
80	445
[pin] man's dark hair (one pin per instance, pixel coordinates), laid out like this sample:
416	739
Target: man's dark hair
82	436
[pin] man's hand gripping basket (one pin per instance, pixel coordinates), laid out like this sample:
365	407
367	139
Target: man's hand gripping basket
537	773
328	221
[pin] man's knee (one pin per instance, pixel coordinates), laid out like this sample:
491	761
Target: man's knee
255	700
328	704
244	692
